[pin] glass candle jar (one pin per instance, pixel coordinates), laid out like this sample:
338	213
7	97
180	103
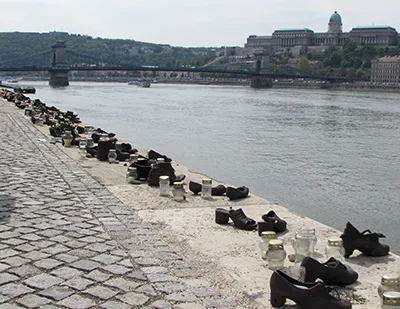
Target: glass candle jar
389	282
178	192
391	300
104	138
335	248
133	158
304	243
112	156
164	186
89	142
276	254
206	186
266	237
160	160
82	151
132	176
67	138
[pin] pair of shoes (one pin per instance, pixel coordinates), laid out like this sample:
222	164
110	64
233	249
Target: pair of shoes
163	169
366	242
332	272
307	295
271	222
237	193
240	220
195	187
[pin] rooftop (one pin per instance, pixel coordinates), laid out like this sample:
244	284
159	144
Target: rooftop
294	30
373	28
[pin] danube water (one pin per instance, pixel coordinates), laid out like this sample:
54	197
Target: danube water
333	156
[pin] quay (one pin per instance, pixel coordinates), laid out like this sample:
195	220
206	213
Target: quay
74	234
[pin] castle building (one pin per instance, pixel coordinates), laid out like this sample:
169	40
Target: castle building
287	38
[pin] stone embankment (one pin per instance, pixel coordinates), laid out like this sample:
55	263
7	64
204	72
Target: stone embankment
75	235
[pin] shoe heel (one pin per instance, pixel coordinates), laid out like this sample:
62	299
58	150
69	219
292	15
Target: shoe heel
221	216
348	251
277	300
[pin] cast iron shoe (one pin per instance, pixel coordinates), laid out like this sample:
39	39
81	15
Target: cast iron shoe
279	224
366	242
240	220
306	295
332	272
195	187
237	193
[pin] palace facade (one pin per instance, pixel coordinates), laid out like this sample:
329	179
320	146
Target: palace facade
287	38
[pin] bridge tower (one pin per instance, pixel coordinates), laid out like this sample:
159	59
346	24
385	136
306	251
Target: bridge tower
261	64
59	67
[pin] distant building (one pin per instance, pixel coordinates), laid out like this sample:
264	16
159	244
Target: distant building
385	70
288	38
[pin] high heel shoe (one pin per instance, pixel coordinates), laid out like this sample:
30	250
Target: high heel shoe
332	272
366	242
279	224
240	220
306	295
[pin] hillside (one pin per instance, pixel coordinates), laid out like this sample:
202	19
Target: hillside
15	45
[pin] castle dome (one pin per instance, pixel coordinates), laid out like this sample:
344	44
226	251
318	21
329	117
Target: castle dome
335	17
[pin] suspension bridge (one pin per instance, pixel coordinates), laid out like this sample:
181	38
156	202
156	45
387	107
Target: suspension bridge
59	61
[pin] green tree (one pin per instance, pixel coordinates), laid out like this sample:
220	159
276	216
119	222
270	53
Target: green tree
303	64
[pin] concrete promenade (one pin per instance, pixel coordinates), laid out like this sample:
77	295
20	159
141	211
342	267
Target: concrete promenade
73	234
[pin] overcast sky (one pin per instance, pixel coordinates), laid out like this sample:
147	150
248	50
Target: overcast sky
190	22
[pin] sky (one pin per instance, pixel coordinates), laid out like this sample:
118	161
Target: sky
190	23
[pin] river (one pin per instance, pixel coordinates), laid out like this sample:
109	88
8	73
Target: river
330	155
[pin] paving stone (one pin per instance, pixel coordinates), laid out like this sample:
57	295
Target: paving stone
14	290
13	242
31	236
146	289
49	233
161	304
126	263
97	275
101	292
42	243
8	234
77	302
85	265
154	270
42	281
161	278
217	302
66	257
25	270
106	258
48	263
57	292
101	247
26	247
66	272
6	278
78	283
14	261
121	283
33	301
55	249
115	305
10	306
82	253
189	306
116	269
35	255
138	275
75	244
4	266
133	299
4	298
60	239
5	253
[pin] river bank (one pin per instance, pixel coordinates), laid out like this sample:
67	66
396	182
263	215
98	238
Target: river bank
231	261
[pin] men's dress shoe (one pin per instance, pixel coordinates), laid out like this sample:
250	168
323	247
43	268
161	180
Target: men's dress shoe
240	220
237	193
332	272
279	224
306	295
195	187
366	242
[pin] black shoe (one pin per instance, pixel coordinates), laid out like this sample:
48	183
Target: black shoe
332	272
366	242
279	224
237	193
240	220
265	226
154	155
163	169
195	187
306	295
